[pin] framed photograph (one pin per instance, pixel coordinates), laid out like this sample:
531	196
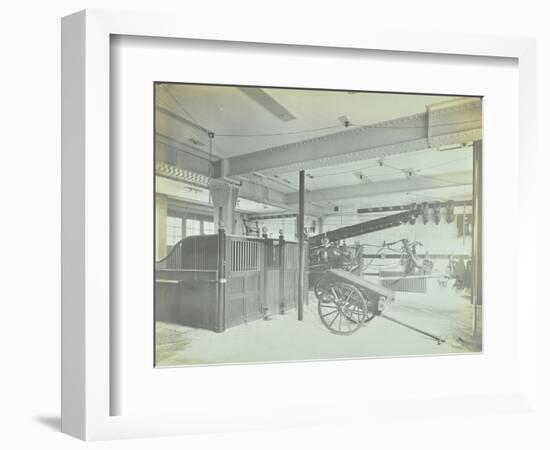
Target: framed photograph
383	221
251	219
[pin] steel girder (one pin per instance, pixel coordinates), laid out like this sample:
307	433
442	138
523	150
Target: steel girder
437	127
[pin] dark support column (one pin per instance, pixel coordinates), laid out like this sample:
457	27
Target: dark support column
281	272
222	280
476	235
301	241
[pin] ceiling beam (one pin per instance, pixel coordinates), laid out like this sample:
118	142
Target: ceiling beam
267	102
173	181
440	125
414	183
273	216
179	154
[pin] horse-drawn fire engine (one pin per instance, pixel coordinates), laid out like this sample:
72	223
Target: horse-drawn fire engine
346	300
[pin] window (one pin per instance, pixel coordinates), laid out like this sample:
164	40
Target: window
173	230
192	227
208	228
464	224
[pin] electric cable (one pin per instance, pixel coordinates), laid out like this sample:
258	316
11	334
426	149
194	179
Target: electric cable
356	126
343	126
187	113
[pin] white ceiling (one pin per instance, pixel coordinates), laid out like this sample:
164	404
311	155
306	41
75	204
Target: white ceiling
428	163
226	110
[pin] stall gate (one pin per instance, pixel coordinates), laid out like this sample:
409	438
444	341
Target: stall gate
244	287
289	299
221	281
186	283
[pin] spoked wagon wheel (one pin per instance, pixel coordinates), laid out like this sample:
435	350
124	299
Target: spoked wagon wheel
369	315
342	308
319	289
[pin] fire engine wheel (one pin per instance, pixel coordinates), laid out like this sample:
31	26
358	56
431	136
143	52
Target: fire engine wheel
319	289
342	308
368	314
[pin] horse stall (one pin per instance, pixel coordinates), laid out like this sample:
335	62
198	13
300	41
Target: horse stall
404	282
221	281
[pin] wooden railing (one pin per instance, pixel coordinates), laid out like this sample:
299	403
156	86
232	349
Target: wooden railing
193	253
244	253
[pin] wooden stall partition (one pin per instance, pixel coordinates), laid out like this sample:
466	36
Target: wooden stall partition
221	281
290	274
186	284
271	277
244	288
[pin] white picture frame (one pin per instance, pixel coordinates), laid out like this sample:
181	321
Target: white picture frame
86	241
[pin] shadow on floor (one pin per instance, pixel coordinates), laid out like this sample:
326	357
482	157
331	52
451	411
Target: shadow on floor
51	422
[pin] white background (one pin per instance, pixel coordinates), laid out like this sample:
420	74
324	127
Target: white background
30	138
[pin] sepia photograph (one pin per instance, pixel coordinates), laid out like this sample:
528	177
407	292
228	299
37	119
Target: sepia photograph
299	224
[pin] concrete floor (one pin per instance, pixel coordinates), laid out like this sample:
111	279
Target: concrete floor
443	311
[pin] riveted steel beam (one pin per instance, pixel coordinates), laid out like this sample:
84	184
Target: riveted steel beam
443	125
414	183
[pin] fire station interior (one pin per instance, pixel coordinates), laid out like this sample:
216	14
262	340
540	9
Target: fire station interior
274	204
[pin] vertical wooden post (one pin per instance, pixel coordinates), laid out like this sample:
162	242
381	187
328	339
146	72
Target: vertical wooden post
264	274
161	213
222	280
476	265
301	242
281	272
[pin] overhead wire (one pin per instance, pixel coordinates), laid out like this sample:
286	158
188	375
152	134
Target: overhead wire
373	126
415	173
444	163
288	133
210	134
184	110
343	126
321	192
296	132
371	166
